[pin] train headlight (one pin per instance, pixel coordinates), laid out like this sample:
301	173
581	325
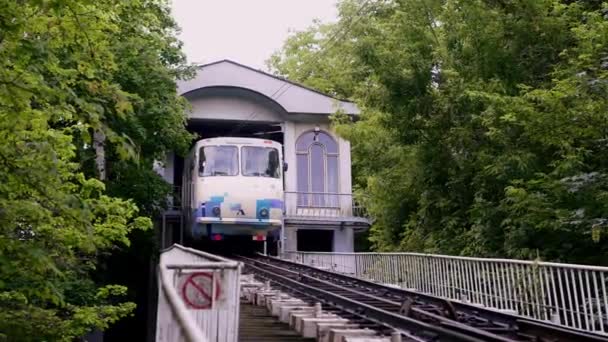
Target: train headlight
264	213
216	211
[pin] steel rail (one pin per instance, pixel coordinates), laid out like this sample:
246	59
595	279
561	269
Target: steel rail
526	327
422	314
452	331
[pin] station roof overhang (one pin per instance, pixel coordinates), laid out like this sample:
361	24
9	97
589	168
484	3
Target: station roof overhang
293	99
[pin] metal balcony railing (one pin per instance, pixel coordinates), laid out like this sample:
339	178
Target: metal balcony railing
322	205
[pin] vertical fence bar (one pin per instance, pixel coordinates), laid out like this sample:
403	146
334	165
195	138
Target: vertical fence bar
416	273
496	295
604	295
477	286
439	289
571	306
535	284
549	303
448	267
443	284
558	305
470	282
568	304
584	298
500	296
484	284
432	276
424	285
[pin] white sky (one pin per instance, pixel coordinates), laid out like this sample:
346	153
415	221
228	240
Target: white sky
246	31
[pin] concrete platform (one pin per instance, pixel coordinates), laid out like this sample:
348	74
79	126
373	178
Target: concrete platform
323	328
277	304
260	297
309	324
338	335
300	319
288	312
256	325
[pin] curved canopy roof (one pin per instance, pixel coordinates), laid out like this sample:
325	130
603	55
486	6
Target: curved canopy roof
293	97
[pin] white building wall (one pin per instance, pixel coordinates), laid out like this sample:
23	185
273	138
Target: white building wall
218	107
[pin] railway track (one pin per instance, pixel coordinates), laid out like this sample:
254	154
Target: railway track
418	317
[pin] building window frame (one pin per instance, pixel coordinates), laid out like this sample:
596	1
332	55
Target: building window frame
328	198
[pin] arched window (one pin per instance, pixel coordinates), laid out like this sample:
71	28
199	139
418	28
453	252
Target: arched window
317	164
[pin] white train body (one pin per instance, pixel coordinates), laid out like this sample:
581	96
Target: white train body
233	186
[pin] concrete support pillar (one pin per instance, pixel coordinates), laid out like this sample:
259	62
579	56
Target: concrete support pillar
289	149
291	238
344	240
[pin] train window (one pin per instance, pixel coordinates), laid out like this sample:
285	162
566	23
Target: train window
260	162
218	161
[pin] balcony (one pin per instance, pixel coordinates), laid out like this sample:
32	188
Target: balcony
311	207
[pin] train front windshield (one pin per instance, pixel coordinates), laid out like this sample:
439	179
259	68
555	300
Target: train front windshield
260	161
256	161
218	161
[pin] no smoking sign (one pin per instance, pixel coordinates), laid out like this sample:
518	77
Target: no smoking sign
197	290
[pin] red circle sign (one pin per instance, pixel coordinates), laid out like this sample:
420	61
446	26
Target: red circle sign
197	290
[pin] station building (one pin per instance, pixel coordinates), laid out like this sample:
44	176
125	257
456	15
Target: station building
231	99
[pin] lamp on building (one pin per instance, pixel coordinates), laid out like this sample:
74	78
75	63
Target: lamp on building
317	130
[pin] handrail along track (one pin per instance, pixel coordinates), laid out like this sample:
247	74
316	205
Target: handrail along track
419	317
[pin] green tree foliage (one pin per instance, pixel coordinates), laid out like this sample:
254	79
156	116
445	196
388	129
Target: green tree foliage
484	122
69	68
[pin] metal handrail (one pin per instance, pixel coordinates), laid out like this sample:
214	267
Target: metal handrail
572	295
445	256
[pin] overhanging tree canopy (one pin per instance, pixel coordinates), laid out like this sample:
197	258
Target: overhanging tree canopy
484	124
68	69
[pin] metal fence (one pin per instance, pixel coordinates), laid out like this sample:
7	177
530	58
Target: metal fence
198	297
322	205
571	295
